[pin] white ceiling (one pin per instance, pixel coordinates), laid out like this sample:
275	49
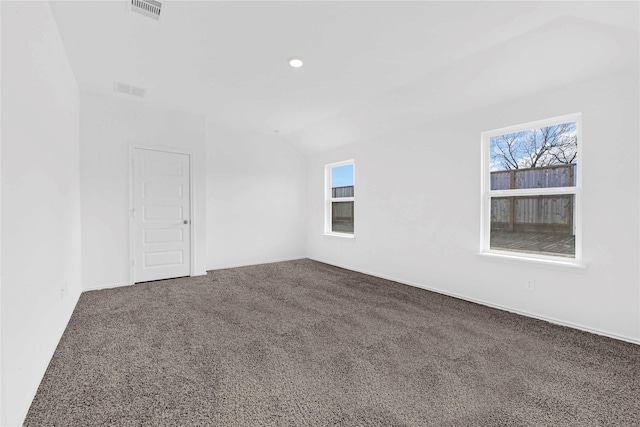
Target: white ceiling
370	67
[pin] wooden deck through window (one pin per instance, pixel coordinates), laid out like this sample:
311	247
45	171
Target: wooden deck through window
557	244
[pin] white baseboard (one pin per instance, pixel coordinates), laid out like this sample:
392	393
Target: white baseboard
202	273
106	286
272	261
492	305
118	285
50	351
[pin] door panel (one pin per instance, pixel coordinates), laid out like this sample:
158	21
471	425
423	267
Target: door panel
162	238
164	258
160	189
162	235
161	213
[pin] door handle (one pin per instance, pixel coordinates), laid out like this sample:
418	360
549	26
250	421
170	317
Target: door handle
186	221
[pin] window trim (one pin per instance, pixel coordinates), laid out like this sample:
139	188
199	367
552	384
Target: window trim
328	198
486	195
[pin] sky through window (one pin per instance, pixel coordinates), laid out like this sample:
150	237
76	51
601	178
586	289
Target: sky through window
342	176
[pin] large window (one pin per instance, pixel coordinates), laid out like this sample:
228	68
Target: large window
339	198
531	190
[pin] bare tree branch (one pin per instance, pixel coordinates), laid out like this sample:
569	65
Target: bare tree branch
547	146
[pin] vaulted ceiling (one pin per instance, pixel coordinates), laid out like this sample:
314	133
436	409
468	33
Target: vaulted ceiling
370	67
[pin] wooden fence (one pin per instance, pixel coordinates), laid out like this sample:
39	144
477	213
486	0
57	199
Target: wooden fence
342	191
533	213
342	211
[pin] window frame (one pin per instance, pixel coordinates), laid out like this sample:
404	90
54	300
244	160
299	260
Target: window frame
329	199
487	194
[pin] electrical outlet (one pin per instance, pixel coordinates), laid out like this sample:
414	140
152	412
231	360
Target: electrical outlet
530	286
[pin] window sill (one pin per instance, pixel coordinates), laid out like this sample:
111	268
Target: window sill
551	262
343	235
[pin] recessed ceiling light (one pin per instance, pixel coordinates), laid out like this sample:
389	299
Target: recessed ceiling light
296	62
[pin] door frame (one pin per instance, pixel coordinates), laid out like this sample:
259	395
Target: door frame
192	224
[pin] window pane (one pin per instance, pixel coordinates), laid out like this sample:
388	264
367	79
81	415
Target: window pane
337	192
537	158
342	181
538	224
342	217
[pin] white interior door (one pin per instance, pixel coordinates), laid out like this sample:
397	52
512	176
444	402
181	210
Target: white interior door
161	215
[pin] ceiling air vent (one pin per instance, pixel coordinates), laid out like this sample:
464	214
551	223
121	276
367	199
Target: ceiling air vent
129	89
149	8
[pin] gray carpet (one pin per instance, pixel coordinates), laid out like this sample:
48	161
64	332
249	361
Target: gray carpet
306	344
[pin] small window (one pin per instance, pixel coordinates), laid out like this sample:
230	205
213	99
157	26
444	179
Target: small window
531	190
339	196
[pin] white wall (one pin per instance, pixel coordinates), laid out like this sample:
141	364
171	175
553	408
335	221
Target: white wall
418	203
108	127
256	203
41	200
0	230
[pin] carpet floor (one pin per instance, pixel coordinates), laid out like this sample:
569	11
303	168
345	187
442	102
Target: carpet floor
302	343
